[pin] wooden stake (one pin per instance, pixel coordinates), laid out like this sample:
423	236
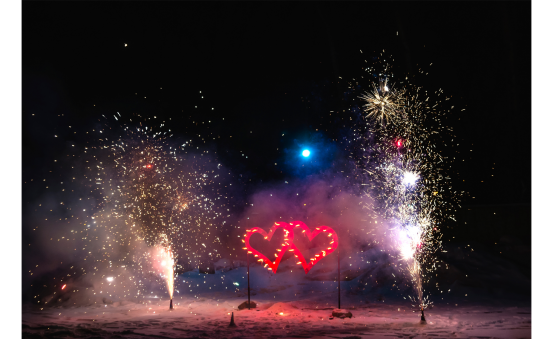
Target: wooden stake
248	263
338	278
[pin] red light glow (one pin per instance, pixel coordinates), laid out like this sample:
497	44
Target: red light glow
289	243
273	265
63	287
399	143
148	166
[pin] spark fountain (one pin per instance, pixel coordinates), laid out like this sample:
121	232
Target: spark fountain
159	190
151	193
167	267
404	169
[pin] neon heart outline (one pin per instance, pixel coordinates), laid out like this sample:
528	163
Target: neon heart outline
310	235
289	243
288	238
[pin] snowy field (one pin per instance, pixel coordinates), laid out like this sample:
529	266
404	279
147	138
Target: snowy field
200	318
292	304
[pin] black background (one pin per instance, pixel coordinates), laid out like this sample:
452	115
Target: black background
258	64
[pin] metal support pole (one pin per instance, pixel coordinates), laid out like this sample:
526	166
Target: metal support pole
248	263
338	278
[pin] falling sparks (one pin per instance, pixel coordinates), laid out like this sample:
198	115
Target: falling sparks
153	191
397	150
156	205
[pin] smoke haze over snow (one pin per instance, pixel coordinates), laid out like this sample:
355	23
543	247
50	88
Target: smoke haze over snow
316	200
327	198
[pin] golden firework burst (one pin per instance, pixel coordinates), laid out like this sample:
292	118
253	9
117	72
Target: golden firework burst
383	102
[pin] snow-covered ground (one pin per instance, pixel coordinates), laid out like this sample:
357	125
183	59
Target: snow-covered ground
292	304
307	318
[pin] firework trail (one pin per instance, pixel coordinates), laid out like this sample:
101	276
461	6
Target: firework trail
404	170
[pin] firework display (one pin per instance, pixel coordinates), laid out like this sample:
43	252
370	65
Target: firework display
184	163
383	102
404	170
155	211
158	200
155	192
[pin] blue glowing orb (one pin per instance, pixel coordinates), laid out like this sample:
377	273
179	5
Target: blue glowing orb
305	153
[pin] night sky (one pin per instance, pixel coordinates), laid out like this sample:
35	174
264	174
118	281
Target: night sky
256	83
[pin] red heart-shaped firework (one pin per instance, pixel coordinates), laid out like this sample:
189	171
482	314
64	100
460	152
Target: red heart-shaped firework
288	237
289	229
310	235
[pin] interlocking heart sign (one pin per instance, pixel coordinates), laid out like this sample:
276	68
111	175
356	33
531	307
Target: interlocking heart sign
288	244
